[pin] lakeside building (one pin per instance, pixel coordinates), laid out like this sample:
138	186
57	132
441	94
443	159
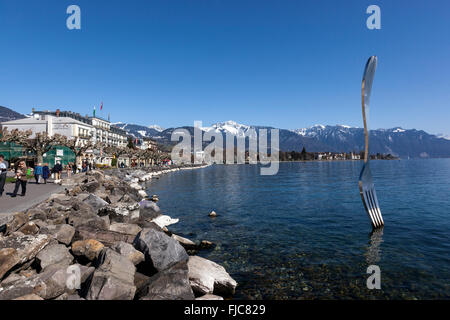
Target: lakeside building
73	126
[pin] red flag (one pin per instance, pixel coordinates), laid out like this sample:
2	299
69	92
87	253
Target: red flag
101	107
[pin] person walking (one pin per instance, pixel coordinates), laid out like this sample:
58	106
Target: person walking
45	172
3	171
38	172
69	169
57	169
21	178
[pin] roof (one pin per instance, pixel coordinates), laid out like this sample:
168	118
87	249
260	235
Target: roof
33	120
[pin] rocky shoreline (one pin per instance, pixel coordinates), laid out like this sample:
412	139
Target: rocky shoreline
103	238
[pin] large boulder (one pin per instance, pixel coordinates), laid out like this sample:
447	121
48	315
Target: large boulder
95	202
170	284
51	283
90	185
64	233
207	276
113	279
18	249
54	254
149	210
159	249
17	221
127	250
108	238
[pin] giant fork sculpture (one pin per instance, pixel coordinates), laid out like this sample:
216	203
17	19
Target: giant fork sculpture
366	187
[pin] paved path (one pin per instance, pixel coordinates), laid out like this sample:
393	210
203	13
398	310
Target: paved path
36	193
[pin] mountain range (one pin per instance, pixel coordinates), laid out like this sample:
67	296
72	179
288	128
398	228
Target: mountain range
404	143
7	114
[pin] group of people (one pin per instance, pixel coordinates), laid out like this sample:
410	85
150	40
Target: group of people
41	171
21	173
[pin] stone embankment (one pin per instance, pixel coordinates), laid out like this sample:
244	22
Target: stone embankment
104	238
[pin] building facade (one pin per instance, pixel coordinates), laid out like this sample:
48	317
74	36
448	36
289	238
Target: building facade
73	126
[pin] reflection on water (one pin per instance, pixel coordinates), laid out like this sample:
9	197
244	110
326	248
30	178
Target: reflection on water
373	254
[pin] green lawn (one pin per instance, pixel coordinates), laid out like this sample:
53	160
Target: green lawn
13	179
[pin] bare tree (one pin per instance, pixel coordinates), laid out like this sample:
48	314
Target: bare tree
79	146
39	144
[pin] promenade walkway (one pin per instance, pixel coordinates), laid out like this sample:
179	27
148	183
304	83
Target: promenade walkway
35	193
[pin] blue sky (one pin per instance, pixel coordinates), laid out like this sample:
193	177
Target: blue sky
287	64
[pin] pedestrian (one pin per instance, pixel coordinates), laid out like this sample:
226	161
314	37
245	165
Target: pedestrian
57	169
38	172
45	172
84	167
21	178
3	171
69	169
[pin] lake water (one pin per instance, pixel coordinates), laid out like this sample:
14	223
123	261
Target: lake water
304	234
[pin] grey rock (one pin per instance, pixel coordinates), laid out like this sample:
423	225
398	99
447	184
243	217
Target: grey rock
64	233
160	249
127	228
49	284
107	237
95	202
54	254
18	249
113	279
149	210
170	284
186	243
127	250
18	220
207	276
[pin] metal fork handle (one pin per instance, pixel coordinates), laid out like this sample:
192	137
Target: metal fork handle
366	90
366	131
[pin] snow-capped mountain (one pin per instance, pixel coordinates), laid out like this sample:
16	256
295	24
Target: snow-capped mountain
156	127
443	136
396	141
230	127
140	131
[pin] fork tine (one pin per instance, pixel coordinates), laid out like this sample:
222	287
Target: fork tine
370	209
377	206
374	209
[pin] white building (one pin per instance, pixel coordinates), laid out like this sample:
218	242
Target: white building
73	125
65	126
